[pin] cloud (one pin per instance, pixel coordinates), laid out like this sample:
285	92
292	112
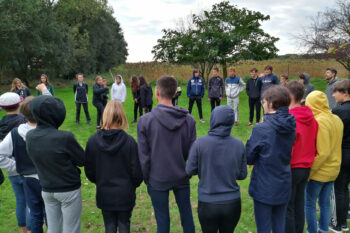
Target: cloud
143	21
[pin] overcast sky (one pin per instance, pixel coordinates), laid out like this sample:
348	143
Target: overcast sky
143	20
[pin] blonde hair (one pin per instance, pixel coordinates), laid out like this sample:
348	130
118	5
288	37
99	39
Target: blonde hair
232	68
97	78
13	86
114	115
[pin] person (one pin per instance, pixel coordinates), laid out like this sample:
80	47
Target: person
195	92
44	79
302	157
216	89
268	78
253	89
163	155
58	170
146	95
332	79
283	79
81	89
269	150
118	90
19	88
326	165
175	99
100	91
304	79
234	86
112	163
341	94
219	160
105	94
135	89
10	102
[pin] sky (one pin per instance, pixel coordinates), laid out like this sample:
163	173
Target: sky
142	21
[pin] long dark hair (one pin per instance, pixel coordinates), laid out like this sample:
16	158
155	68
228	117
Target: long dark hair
143	81
134	83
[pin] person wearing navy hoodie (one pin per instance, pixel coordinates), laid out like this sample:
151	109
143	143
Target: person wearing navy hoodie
219	160
195	92
269	150
100	91
268	79
165	136
112	163
303	155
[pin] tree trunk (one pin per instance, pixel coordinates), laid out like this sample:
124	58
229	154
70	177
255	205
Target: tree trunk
224	70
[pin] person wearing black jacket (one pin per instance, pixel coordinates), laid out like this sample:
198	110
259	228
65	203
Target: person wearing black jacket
135	89
81	90
56	155
253	91
112	163
341	94
216	89
146	95
100	91
19	88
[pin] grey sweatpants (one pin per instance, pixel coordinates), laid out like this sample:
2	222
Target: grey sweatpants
63	211
233	103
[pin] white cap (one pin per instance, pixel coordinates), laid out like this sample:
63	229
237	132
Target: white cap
9	99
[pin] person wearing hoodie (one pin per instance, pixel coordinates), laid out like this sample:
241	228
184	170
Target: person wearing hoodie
195	92
19	88
304	79
164	138
216	89
253	89
118	91
146	95
269	150
219	160
234	86
332	79
81	90
268	79
58	170
303	155
135	89
100	90
112	163
326	165
341	94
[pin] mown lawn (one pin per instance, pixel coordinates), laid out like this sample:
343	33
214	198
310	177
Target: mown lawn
143	219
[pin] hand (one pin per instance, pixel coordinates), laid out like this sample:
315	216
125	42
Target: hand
208	99
221	98
104	82
41	87
135	100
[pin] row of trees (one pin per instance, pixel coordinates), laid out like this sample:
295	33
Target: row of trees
59	37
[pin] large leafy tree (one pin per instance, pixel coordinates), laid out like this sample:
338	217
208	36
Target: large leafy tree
223	35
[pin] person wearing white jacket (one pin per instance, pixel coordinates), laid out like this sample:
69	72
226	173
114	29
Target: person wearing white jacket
118	91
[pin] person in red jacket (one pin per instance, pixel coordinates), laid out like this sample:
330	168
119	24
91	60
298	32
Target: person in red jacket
303	154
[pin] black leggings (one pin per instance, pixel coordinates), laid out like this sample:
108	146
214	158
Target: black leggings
137	107
99	106
213	102
114	220
341	191
254	102
219	217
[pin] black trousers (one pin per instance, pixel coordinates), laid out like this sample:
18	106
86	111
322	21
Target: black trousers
219	217
341	192
254	103
213	102
148	108
175	101
99	107
295	218
86	110
137	107
198	100
116	219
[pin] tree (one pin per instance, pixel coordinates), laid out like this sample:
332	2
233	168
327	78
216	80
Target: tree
224	35
329	34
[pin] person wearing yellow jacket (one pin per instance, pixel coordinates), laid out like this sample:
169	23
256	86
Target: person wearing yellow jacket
326	166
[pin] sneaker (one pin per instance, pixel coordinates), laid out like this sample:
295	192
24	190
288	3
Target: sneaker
88	122
250	124
236	123
98	127
336	229
345	227
201	121
77	122
134	122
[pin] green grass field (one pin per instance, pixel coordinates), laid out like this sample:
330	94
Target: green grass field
143	219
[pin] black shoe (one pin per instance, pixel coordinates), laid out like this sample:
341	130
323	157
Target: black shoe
336	229
134	122
345	227
89	122
77	122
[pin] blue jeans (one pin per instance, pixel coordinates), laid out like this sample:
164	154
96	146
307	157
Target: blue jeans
322	191
32	190
160	202
22	212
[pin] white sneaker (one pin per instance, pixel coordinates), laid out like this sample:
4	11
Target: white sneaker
201	121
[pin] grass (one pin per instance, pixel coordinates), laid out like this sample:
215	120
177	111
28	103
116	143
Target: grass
143	219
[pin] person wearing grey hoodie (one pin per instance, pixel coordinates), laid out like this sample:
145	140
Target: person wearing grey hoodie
331	77
118	90
219	160
304	79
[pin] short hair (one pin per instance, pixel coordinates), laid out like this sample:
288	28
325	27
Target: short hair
334	71
302	76
217	69
277	96
24	108
78	75
296	89
268	67
167	87
97	78
114	115
284	76
232	68
342	86
11	108
254	70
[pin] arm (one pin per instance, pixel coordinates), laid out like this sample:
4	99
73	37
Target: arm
247	87
189	88
222	88
142	96
6	149
193	137
243	168
276	81
124	93
74	88
241	85
97	90
75	151
90	162
112	92
254	146
144	150
28	92
193	158
202	89
52	90
87	88
134	164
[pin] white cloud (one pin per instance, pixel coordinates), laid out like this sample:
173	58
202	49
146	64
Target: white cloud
142	21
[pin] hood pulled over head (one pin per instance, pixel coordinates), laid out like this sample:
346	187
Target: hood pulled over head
221	121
